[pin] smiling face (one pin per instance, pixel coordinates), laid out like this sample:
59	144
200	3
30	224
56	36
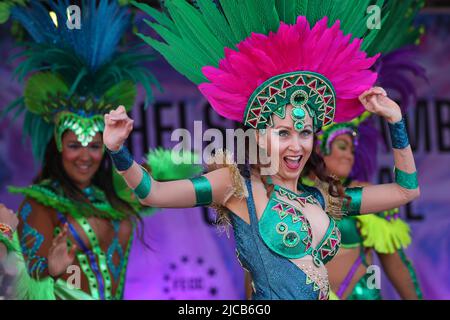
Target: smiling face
81	163
341	158
289	148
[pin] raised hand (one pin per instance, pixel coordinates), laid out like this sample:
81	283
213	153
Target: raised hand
8	220
59	259
117	128
375	100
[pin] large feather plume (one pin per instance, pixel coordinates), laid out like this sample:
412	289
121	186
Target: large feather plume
292	48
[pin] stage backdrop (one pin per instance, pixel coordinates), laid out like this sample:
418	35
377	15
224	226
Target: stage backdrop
189	257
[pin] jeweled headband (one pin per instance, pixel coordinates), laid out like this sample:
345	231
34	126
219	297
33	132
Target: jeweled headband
304	90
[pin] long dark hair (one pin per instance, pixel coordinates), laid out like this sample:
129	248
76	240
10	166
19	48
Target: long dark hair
103	179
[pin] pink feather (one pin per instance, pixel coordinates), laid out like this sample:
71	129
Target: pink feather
295	47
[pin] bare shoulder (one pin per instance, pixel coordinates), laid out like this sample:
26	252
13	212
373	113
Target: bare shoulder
32	209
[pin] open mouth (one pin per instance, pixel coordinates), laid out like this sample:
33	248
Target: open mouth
83	168
292	162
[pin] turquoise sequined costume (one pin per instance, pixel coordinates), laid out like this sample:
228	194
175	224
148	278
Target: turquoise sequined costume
103	264
251	59
275	277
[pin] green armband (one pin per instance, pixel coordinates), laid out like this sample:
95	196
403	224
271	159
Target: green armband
353	207
406	180
203	191
144	187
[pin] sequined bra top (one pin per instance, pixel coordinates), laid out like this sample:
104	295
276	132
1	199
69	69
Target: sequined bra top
285	229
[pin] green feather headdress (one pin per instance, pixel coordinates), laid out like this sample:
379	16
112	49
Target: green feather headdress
231	48
75	76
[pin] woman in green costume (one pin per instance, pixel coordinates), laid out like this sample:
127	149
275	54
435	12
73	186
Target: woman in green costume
341	147
74	76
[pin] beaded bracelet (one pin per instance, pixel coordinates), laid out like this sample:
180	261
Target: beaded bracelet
6	230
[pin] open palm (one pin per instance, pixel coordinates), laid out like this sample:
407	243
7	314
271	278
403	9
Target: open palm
59	259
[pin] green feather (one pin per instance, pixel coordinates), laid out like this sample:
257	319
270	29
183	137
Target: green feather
191	53
231	9
286	10
264	17
39	89
396	27
352	15
301	7
164	167
193	30
217	23
205	30
123	93
172	55
159	17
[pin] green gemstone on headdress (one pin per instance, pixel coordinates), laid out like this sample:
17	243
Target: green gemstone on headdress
299	98
300	89
299	125
298	113
85	128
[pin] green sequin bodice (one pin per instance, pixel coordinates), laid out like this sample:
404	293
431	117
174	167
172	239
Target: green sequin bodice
286	230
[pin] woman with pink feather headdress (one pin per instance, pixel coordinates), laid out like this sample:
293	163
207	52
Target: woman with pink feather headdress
284	69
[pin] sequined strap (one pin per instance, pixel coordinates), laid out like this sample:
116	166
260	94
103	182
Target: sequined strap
412	273
251	207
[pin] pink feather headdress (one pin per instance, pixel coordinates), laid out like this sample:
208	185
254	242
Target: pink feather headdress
323	50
